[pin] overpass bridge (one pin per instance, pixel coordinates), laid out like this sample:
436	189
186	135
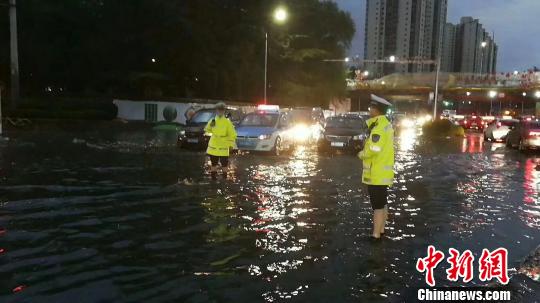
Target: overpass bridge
518	93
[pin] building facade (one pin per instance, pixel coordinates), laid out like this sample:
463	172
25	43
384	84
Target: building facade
406	29
468	48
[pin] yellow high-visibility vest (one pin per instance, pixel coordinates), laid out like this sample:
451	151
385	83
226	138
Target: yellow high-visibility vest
223	136
378	153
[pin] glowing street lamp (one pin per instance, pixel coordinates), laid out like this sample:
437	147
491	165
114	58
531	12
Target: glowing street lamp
347	59
366	73
492	94
280	16
483	44
392	58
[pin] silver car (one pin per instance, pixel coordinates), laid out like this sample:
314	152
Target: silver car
525	135
498	129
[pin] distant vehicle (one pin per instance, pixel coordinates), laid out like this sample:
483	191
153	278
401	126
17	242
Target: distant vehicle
402	121
459	120
308	123
525	135
267	129
193	134
477	122
344	132
498	129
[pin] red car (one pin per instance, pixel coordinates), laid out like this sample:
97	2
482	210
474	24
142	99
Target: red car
476	122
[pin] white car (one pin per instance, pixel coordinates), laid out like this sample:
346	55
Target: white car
498	129
267	129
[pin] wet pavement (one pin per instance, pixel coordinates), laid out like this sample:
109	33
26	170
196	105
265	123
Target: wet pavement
122	217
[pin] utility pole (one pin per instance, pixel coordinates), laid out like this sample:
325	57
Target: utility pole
436	95
14	53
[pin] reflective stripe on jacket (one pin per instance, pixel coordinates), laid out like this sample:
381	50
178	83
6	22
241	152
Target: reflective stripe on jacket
223	136
378	153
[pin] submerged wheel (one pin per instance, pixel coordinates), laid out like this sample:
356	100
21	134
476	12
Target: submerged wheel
277	147
521	147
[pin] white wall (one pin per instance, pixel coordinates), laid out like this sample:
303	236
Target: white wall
134	110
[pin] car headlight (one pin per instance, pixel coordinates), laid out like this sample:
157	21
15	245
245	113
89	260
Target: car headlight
265	137
301	132
359	137
407	123
182	133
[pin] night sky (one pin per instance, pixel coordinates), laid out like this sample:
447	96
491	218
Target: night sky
514	22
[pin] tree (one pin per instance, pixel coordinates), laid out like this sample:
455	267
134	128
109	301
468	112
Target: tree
180	48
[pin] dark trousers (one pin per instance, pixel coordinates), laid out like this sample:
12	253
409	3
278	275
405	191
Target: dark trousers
378	196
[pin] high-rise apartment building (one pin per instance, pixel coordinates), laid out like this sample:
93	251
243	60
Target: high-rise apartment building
406	29
468	48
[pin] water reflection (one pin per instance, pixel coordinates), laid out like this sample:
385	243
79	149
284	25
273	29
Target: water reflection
472	144
531	190
286	228
407	139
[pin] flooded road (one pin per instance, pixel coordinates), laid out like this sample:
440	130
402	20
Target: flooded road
86	217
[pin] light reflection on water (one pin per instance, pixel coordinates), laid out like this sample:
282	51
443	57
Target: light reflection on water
288	228
531	196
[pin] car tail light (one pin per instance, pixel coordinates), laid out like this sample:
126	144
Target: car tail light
499	124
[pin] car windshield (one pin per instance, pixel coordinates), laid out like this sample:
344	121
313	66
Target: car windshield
260	119
343	122
202	116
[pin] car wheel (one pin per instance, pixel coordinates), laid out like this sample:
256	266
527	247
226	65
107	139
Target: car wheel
277	147
521	147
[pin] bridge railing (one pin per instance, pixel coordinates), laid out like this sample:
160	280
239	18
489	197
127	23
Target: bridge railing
448	80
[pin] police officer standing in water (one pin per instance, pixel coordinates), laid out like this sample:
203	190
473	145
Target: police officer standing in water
221	142
378	162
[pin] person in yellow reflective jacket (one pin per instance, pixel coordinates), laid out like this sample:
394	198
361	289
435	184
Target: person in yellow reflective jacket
378	162
223	138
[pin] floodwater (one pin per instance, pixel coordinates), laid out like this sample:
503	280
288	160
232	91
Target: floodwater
106	216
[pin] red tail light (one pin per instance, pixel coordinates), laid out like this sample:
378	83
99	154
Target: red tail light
499	124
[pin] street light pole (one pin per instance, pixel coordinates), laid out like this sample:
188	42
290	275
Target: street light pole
436	97
482	47
14	52
0	109
265	64
279	16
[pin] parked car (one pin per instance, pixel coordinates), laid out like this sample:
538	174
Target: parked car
344	132
268	129
498	129
525	135
193	134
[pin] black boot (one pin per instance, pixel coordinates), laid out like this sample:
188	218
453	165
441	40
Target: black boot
213	175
